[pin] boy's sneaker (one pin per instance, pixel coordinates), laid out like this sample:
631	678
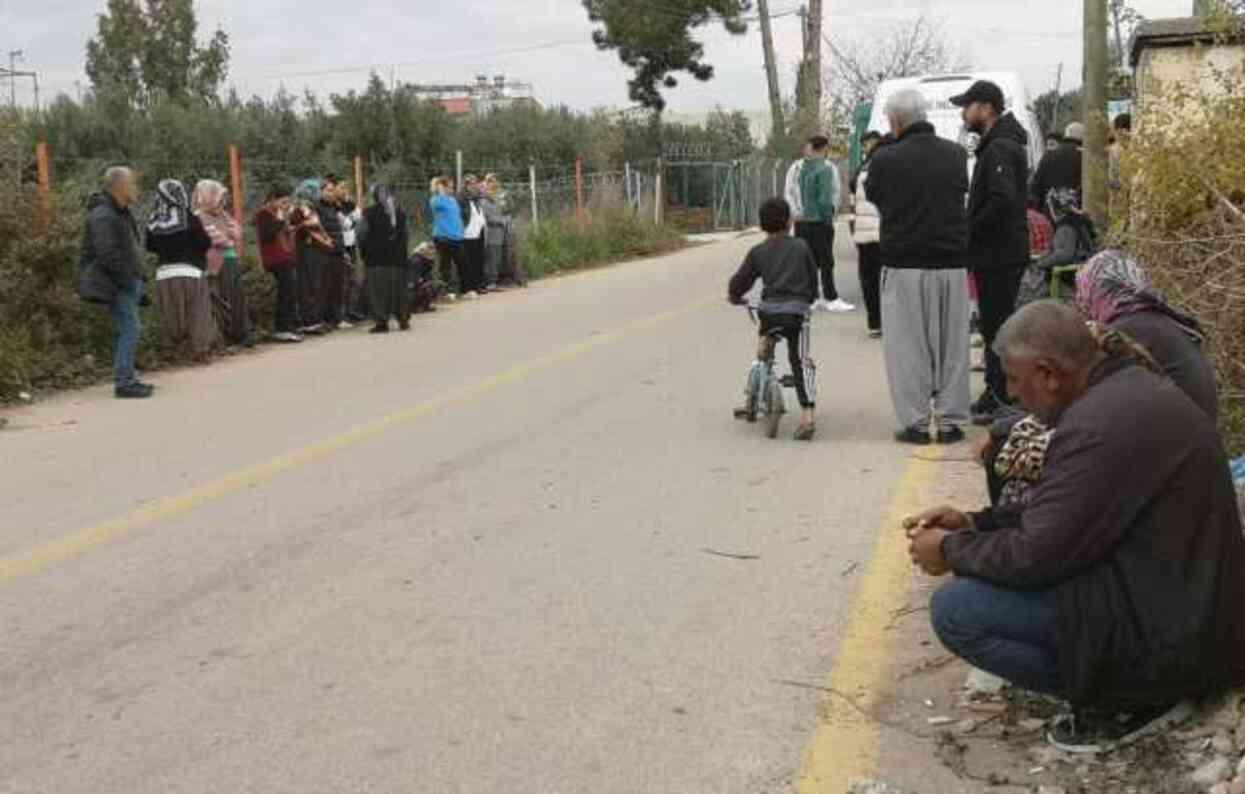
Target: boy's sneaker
1095	732
875	333
805	432
313	330
839	306
345	325
287	337
134	391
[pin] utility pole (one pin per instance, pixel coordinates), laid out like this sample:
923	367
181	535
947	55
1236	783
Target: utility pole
771	75
1095	112
813	55
14	55
1054	120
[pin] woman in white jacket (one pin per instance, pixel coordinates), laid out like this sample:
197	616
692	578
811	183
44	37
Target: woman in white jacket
866	233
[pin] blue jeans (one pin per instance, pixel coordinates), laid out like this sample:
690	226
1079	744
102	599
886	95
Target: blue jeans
1010	633
125	329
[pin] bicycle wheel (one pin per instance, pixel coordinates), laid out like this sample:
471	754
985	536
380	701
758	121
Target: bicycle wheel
774	408
755	385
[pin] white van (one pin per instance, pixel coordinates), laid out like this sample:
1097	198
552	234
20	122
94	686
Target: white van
938	90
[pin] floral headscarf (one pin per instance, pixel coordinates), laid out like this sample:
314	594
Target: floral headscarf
1113	284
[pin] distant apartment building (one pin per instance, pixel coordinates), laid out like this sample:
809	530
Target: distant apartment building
483	96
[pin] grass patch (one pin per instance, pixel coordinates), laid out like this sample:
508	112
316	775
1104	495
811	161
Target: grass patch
564	244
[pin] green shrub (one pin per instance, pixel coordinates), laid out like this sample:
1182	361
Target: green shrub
609	234
1186	217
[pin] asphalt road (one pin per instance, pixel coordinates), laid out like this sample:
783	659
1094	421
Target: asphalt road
479	557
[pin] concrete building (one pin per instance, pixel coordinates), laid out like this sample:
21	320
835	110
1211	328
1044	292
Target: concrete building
479	98
1185	51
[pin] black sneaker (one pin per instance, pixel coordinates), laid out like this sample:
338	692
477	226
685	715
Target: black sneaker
950	435
984	409
379	329
134	391
913	436
1095	732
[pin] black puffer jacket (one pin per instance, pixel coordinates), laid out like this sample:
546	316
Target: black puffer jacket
918	185
1060	169
998	220
110	254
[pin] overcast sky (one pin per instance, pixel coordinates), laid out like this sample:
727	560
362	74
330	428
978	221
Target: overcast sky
330	45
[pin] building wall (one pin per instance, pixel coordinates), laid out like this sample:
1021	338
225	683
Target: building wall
1193	66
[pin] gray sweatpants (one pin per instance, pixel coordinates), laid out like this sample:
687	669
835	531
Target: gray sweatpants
925	314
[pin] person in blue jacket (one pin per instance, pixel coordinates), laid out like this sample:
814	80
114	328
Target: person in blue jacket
447	231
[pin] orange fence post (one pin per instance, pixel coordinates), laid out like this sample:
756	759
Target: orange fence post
44	179
358	182
579	187
235	182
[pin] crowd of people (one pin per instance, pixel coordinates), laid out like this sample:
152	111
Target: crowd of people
1104	571
334	264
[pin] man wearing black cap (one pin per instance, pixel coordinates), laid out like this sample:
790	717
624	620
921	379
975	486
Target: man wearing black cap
998	249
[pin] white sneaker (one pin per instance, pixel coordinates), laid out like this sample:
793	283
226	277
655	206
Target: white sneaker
345	326
286	336
839	306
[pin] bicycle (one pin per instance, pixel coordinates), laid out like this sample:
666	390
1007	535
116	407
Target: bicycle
763	391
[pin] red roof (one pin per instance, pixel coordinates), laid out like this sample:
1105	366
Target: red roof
457	106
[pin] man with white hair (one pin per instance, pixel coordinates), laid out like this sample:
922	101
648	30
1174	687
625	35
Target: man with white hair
919	184
109	272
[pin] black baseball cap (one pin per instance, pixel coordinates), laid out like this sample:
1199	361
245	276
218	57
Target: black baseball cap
981	91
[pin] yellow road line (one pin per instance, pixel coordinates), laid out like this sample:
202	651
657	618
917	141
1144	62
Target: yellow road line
845	744
34	560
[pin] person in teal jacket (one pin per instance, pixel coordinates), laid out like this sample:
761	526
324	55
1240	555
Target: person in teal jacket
819	204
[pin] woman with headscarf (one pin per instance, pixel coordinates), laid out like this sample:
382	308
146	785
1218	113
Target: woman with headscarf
312	251
384	238
182	295
1115	293
224	262
1130	319
1074	242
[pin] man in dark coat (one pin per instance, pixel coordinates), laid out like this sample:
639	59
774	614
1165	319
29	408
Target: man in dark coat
1061	168
998	219
1118	585
109	272
918	184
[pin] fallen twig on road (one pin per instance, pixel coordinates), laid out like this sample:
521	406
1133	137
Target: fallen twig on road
903	612
928	666
731	556
849	569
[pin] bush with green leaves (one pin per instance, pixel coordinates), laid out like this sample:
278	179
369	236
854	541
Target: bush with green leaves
1185	216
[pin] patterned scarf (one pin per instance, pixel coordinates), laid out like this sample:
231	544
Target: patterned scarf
172	212
1113	284
1019	463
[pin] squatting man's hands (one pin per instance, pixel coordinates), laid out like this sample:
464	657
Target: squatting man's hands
925	534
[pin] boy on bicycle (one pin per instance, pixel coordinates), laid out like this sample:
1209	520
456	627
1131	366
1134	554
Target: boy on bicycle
788	273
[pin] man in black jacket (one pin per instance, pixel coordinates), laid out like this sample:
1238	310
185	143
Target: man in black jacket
918	185
1117	586
109	272
1061	167
998	220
